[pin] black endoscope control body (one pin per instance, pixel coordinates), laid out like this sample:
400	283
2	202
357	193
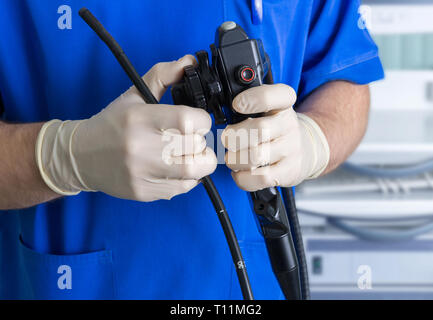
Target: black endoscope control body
240	63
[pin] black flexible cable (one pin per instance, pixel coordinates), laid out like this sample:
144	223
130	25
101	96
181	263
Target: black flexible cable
206	181
295	228
117	51
230	236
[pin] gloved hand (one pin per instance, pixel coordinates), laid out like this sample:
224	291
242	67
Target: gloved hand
131	149
282	148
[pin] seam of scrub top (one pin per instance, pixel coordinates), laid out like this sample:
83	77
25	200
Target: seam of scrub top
344	64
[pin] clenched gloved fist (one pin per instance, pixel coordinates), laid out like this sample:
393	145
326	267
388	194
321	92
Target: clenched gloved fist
282	148
131	149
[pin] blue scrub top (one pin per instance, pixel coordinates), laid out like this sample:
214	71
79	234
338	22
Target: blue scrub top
93	246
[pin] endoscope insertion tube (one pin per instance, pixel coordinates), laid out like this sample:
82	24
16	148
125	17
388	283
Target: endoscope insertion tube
148	97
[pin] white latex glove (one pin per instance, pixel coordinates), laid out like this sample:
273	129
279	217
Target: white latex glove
282	148
131	149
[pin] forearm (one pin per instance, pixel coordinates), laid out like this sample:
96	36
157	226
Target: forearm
341	110
21	184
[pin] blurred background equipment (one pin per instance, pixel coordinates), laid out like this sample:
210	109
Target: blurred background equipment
368	227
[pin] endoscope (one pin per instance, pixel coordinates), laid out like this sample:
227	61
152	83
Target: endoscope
238	63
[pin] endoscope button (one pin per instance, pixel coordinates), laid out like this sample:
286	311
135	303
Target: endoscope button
228	25
246	75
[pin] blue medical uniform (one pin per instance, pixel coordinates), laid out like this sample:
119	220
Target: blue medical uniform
119	249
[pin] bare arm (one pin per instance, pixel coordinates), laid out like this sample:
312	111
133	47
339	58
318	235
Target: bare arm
21	185
341	109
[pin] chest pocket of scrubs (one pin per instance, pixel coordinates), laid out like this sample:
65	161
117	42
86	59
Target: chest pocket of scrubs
81	276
